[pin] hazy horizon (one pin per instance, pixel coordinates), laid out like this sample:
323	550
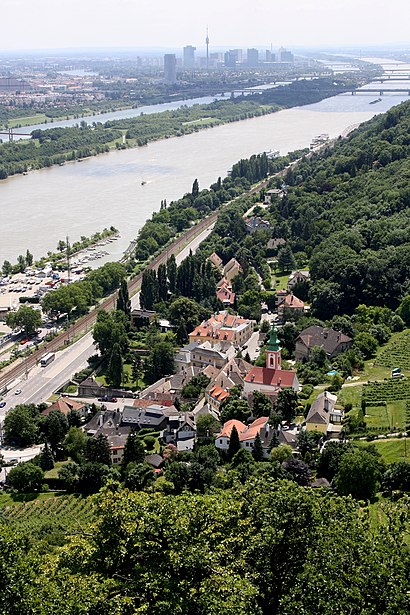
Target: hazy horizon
142	24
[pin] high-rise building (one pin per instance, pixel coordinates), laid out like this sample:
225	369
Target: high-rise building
230	58
170	68
252	57
189	56
207	48
284	55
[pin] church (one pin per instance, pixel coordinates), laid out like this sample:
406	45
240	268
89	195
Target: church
271	378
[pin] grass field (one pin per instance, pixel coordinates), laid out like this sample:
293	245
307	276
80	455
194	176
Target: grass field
391	450
280	282
38	118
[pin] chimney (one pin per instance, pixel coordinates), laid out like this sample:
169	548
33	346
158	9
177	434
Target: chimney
325	333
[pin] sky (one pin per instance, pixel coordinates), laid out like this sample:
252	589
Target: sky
43	24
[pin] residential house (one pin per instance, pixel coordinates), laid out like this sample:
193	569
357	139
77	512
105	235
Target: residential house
273	193
274	244
324	416
180	427
65	405
223	327
225	294
255	223
154	460
247	434
289	303
296	277
232	269
285	436
333	342
154	417
168	388
140	316
210	353
107	422
215	396
216	260
271	378
117	445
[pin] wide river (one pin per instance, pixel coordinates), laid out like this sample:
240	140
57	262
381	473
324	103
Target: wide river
79	198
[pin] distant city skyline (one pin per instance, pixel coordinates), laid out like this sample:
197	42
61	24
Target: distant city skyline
232	23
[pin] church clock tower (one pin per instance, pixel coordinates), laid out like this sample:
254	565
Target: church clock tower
273	356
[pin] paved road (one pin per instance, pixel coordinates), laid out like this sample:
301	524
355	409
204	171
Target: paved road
41	382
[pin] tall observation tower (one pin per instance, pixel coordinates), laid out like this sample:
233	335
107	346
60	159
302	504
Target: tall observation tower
207	48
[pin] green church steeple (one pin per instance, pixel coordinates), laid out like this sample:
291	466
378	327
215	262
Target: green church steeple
273	344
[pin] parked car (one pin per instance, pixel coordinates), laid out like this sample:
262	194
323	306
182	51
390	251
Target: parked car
17	392
2	404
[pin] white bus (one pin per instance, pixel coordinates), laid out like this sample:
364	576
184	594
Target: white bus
46	360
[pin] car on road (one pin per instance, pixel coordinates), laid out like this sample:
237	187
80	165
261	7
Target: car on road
2	404
24	341
17	392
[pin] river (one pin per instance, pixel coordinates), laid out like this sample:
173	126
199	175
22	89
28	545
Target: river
79	198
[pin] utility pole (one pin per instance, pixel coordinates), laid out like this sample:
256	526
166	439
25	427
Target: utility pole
207	48
68	282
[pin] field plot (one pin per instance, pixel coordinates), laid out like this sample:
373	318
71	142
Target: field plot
391	450
387	404
50	519
396	353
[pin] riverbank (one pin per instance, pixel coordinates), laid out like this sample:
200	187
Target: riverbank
56	146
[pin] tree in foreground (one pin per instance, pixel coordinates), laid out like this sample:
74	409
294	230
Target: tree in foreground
21	425
358	475
257	451
234	443
26	317
134	450
97	450
25	477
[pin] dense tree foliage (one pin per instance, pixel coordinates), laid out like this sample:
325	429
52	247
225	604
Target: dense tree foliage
347	208
264	547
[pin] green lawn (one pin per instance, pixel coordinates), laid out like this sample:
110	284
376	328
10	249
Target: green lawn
391	450
280	282
377	416
54	472
127	380
351	395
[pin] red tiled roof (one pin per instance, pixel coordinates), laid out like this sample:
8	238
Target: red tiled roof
64	405
291	301
271	377
223	323
245	432
218	393
224	294
228	426
253	429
